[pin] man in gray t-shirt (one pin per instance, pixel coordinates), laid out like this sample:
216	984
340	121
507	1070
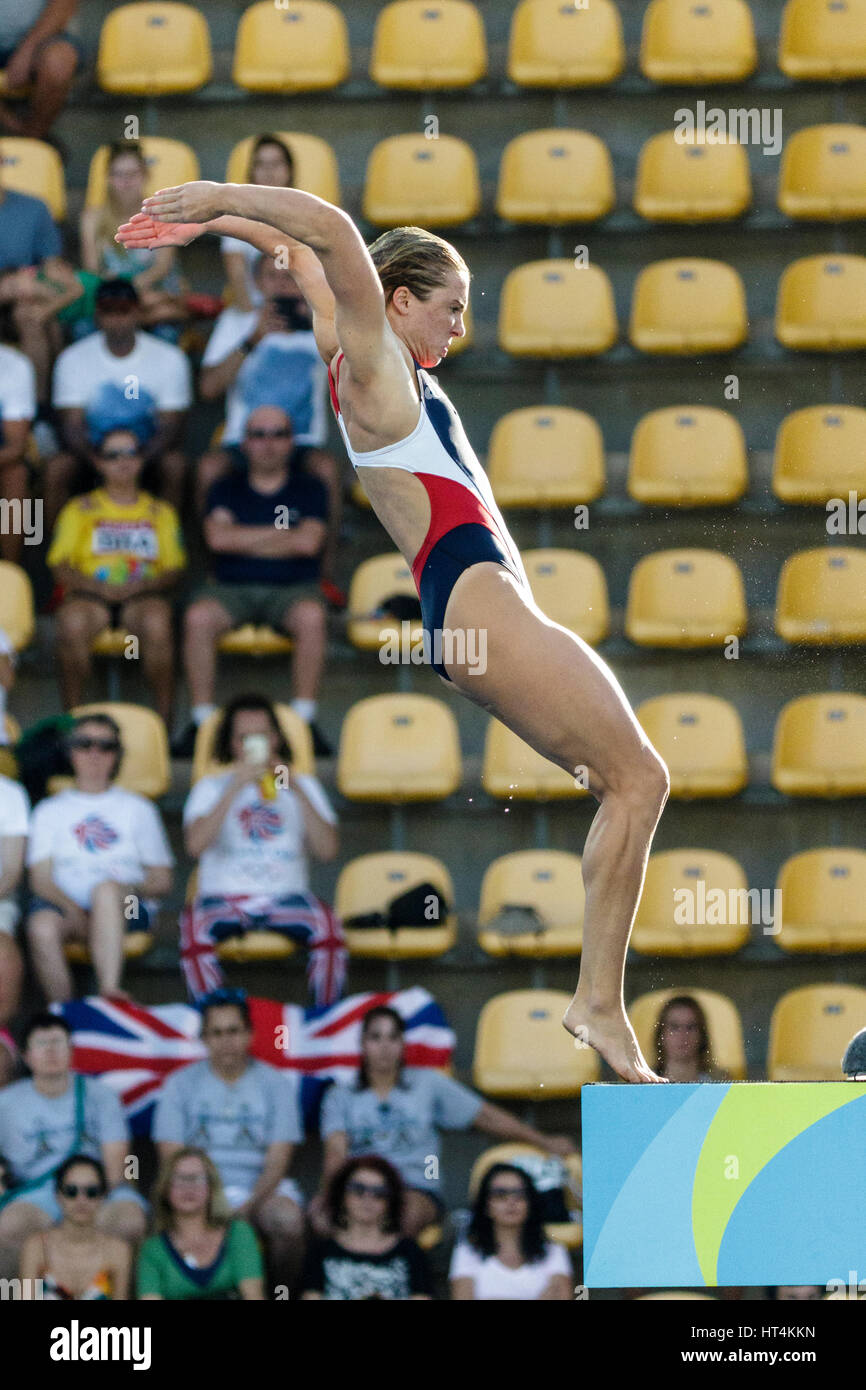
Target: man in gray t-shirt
246	1117
39	1128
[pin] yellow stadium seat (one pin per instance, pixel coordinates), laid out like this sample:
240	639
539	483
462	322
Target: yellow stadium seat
823	893
557	45
727	1050
512	771
823	40
314	160
820	453
819	746
823	173
688	456
169	162
698	41
146	766
548	880
153	48
253	946
538	1165
546	456
251	640
135	945
555	176
523	1051
810	1029
296	46
700	737
413	181
694	903
556	309
399	748
821	597
34	167
16	605
570	588
691	180
821	304
369	883
688	306
374	581
297	734
685	598
418	45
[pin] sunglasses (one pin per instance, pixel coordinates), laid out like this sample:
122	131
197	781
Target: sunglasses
269	434
502	1192
110	455
364	1189
91	1190
87	745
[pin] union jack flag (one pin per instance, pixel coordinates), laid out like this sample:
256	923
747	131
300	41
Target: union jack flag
93	834
260	822
133	1049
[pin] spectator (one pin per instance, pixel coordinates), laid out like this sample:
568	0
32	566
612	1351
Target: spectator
17	412
30	251
271	163
98	857
245	1115
505	1254
267	355
265	530
397	1112
366	1257
75	1260
8	1070
43	1121
799	1293
682	1042
153	273
117	553
36	52
201	1251
251	829
119	378
14	816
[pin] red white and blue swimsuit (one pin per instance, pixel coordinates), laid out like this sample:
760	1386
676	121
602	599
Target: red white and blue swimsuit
466	526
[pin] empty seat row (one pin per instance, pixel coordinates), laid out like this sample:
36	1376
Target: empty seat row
552	176
681	307
685	598
156	47
405	747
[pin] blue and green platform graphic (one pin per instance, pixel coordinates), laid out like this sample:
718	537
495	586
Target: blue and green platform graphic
718	1184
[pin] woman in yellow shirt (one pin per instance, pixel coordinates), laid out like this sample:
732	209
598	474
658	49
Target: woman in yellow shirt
117	553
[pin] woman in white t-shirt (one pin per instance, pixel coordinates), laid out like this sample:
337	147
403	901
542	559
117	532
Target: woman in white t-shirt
252	829
505	1254
271	163
98	858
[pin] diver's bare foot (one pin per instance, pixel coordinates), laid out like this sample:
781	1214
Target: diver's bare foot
611	1034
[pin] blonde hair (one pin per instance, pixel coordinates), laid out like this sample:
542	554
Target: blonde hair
417	259
218	1210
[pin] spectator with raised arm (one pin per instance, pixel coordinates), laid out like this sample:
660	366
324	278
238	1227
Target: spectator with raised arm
44	1120
98	858
117	554
246	1116
506	1254
200	1251
265	529
398	1112
119	378
38	53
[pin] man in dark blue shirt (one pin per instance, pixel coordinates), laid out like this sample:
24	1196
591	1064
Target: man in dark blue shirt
265	527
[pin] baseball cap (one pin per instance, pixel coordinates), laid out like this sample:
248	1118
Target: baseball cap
116	291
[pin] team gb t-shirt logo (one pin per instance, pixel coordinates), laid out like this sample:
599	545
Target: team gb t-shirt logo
260	822
93	834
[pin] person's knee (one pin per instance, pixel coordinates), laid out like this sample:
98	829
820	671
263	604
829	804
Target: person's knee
43	931
74	624
107	895
153	625
56	63
306	619
644	787
21	1220
282	1220
203	621
124	1219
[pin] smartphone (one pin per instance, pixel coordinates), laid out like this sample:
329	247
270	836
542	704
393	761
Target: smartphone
255	749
